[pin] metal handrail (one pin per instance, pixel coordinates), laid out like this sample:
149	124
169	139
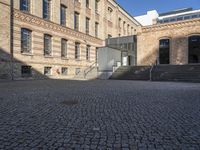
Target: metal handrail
87	70
152	67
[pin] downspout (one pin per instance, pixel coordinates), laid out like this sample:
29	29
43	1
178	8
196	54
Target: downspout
11	37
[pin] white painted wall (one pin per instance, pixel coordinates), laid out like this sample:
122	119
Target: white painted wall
107	59
147	19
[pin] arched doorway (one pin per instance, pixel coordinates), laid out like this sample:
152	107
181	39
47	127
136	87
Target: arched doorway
194	49
164	50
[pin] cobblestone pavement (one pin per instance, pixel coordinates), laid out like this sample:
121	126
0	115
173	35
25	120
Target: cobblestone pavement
103	115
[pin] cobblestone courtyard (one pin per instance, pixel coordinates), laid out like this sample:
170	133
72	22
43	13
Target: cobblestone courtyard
104	115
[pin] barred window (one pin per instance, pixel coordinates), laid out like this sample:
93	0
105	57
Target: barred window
77	50
63	15
76	21
88	52
64	71
47	9
47	44
87	24
26	40
47	71
25	5
26	71
63	48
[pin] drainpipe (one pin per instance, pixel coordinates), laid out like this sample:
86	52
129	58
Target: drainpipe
11	36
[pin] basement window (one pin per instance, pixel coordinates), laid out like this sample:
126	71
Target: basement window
26	71
64	71
47	70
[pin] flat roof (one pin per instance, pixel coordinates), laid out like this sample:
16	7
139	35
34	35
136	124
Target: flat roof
176	11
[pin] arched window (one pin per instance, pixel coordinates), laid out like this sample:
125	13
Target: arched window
164	50
194	49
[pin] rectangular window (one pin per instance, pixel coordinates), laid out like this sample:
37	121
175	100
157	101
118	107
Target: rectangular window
47	9
47	71
87	24
77	50
77	71
180	18
119	22
64	71
26	41
63	48
76	21
96	6
25	5
96	29
194	16
26	71
88	52
47	44
62	15
186	17
87	3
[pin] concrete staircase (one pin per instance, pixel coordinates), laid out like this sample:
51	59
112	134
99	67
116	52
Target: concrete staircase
132	73
190	73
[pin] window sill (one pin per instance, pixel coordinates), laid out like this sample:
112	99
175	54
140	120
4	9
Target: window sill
64	58
78	59
27	53
48	56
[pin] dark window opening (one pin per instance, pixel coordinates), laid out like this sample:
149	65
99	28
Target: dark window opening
26	40
47	44
47	71
63	48
164	50
47	9
194	49
25	5
63	15
26	71
64	71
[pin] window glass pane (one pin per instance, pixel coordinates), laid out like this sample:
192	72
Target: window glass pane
63	15
47	44
25	5
25	40
46	9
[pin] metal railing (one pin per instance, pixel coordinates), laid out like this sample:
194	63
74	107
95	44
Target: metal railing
151	70
89	69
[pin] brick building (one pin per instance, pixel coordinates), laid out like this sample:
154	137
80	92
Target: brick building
59	38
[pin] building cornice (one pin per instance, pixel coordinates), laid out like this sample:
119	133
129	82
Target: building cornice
179	24
34	20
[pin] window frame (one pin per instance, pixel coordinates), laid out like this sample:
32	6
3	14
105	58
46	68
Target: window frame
26	44
50	71
88	49
47	15
63	20
26	71
64	46
23	6
76	21
47	52
77	51
64	71
87	25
